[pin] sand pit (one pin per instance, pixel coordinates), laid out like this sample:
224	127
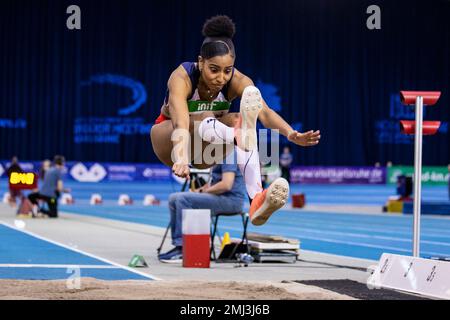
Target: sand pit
93	289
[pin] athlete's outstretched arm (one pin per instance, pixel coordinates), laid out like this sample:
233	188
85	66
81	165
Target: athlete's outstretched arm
272	120
179	115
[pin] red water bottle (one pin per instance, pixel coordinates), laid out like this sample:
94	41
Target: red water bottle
196	238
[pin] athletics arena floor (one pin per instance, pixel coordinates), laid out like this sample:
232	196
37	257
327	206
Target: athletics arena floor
84	254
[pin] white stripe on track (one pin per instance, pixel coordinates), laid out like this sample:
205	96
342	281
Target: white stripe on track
57	266
339	233
81	252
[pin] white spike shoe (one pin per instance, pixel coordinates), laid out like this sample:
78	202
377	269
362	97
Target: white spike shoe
251	105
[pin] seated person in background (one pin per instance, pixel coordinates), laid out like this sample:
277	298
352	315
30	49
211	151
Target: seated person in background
14	193
50	190
225	194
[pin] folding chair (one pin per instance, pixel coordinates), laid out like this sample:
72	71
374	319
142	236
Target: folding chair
193	177
238	247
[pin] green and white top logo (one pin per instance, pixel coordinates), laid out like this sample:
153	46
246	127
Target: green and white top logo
201	106
430	175
196	105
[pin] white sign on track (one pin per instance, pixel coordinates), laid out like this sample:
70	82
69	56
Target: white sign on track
417	275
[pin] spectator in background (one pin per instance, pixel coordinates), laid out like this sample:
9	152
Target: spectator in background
13	194
46	164
286	159
50	190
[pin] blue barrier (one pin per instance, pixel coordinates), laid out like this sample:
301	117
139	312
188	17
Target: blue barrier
432	207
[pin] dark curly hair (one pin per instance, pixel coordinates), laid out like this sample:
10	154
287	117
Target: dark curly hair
218	32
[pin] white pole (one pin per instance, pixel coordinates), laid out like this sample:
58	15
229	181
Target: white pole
417	175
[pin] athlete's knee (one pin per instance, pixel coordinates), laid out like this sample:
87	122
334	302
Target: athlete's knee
204	126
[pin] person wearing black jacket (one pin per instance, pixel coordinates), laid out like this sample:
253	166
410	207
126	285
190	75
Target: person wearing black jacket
13	194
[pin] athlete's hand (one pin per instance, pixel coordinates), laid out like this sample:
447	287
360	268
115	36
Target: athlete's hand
181	170
307	139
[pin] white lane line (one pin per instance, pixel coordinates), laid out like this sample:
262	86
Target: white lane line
348	224
362	244
81	252
365	236
426	232
57	266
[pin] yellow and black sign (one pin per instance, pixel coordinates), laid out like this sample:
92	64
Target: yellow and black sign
23	180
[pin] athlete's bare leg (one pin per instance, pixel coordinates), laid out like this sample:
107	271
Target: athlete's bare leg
244	134
161	138
221	133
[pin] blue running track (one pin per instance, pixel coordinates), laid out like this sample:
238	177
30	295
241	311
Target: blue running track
25	256
358	235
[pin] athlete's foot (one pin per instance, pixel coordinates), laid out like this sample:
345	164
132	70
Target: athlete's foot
245	130
267	202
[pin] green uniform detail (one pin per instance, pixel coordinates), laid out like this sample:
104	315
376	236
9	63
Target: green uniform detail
201	106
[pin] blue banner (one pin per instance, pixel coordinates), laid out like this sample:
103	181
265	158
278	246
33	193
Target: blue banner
97	172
